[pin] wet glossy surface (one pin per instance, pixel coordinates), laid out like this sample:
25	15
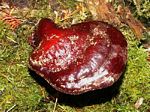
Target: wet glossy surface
85	57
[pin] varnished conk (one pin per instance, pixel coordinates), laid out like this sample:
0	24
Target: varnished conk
84	57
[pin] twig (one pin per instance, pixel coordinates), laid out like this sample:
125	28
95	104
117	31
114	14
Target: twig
55	104
11	108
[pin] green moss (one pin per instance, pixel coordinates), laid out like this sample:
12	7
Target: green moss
19	92
140	9
15	80
136	83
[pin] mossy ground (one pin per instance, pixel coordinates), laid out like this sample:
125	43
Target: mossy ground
21	91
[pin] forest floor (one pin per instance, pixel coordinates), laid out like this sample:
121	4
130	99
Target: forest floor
21	90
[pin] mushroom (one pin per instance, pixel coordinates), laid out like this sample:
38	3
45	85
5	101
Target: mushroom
84	57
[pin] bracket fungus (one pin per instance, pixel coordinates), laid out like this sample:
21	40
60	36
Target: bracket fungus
84	57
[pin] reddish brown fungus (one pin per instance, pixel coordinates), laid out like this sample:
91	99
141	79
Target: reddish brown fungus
84	57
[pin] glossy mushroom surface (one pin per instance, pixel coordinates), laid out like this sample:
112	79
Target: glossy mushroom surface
84	57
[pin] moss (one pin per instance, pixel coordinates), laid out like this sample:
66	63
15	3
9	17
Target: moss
140	9
137	76
20	92
15	80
